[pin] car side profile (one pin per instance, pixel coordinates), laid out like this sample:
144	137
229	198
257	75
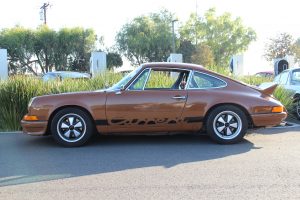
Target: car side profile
157	98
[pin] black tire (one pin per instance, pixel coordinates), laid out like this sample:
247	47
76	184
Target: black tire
232	130
72	127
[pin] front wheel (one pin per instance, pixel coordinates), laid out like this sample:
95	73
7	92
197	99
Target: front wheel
72	127
227	124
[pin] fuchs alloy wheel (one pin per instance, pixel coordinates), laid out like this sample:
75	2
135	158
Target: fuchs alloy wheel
72	127
227	124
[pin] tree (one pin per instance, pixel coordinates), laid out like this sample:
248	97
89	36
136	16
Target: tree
47	49
19	43
187	49
224	35
203	55
296	49
279	47
84	41
114	60
146	38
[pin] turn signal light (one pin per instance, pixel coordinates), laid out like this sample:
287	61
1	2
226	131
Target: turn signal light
30	118
277	109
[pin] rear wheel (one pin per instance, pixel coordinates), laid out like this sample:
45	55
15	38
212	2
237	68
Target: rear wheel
72	127
227	124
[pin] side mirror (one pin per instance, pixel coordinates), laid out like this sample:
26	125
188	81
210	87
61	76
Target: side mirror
122	88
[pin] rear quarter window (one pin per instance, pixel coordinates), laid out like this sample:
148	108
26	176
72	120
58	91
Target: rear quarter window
204	81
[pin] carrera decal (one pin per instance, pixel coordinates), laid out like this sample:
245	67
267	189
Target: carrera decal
155	121
122	122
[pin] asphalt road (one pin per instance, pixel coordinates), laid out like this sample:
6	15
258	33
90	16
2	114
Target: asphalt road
266	165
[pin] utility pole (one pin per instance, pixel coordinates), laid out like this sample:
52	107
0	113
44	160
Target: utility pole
44	11
173	39
196	23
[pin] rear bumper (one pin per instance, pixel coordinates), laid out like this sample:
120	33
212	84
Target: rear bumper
271	119
34	127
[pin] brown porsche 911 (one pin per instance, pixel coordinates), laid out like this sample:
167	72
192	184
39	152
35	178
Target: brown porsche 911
157	98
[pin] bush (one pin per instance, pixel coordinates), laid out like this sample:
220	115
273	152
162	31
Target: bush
254	80
285	97
17	92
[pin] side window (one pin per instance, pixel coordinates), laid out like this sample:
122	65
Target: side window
296	77
284	78
167	79
139	83
202	81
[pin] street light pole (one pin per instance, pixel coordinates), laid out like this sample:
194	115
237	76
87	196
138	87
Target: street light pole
173	38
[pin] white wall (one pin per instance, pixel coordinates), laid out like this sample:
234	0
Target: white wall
3	64
97	63
238	65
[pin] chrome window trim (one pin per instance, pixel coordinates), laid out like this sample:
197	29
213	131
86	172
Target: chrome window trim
147	79
138	75
189	79
150	69
208	87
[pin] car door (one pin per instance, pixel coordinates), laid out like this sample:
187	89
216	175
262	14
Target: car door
153	102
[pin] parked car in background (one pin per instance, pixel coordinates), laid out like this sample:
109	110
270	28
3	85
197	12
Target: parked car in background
61	75
157	97
124	70
289	80
267	74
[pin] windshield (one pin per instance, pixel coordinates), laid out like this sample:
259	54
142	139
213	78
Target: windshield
125	80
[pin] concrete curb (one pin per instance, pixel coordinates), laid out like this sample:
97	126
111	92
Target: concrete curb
10	132
291	125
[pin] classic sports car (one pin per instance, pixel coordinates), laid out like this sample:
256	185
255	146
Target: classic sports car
157	97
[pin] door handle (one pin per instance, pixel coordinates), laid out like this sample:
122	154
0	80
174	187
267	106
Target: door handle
179	97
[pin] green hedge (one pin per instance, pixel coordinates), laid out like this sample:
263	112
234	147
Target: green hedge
16	92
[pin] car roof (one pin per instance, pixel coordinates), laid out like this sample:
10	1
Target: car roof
60	72
173	65
270	72
292	69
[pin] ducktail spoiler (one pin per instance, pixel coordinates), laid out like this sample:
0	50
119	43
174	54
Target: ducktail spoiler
269	90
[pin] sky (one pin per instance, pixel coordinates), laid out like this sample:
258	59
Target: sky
267	17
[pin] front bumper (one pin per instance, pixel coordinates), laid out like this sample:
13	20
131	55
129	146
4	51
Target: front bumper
34	127
270	119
